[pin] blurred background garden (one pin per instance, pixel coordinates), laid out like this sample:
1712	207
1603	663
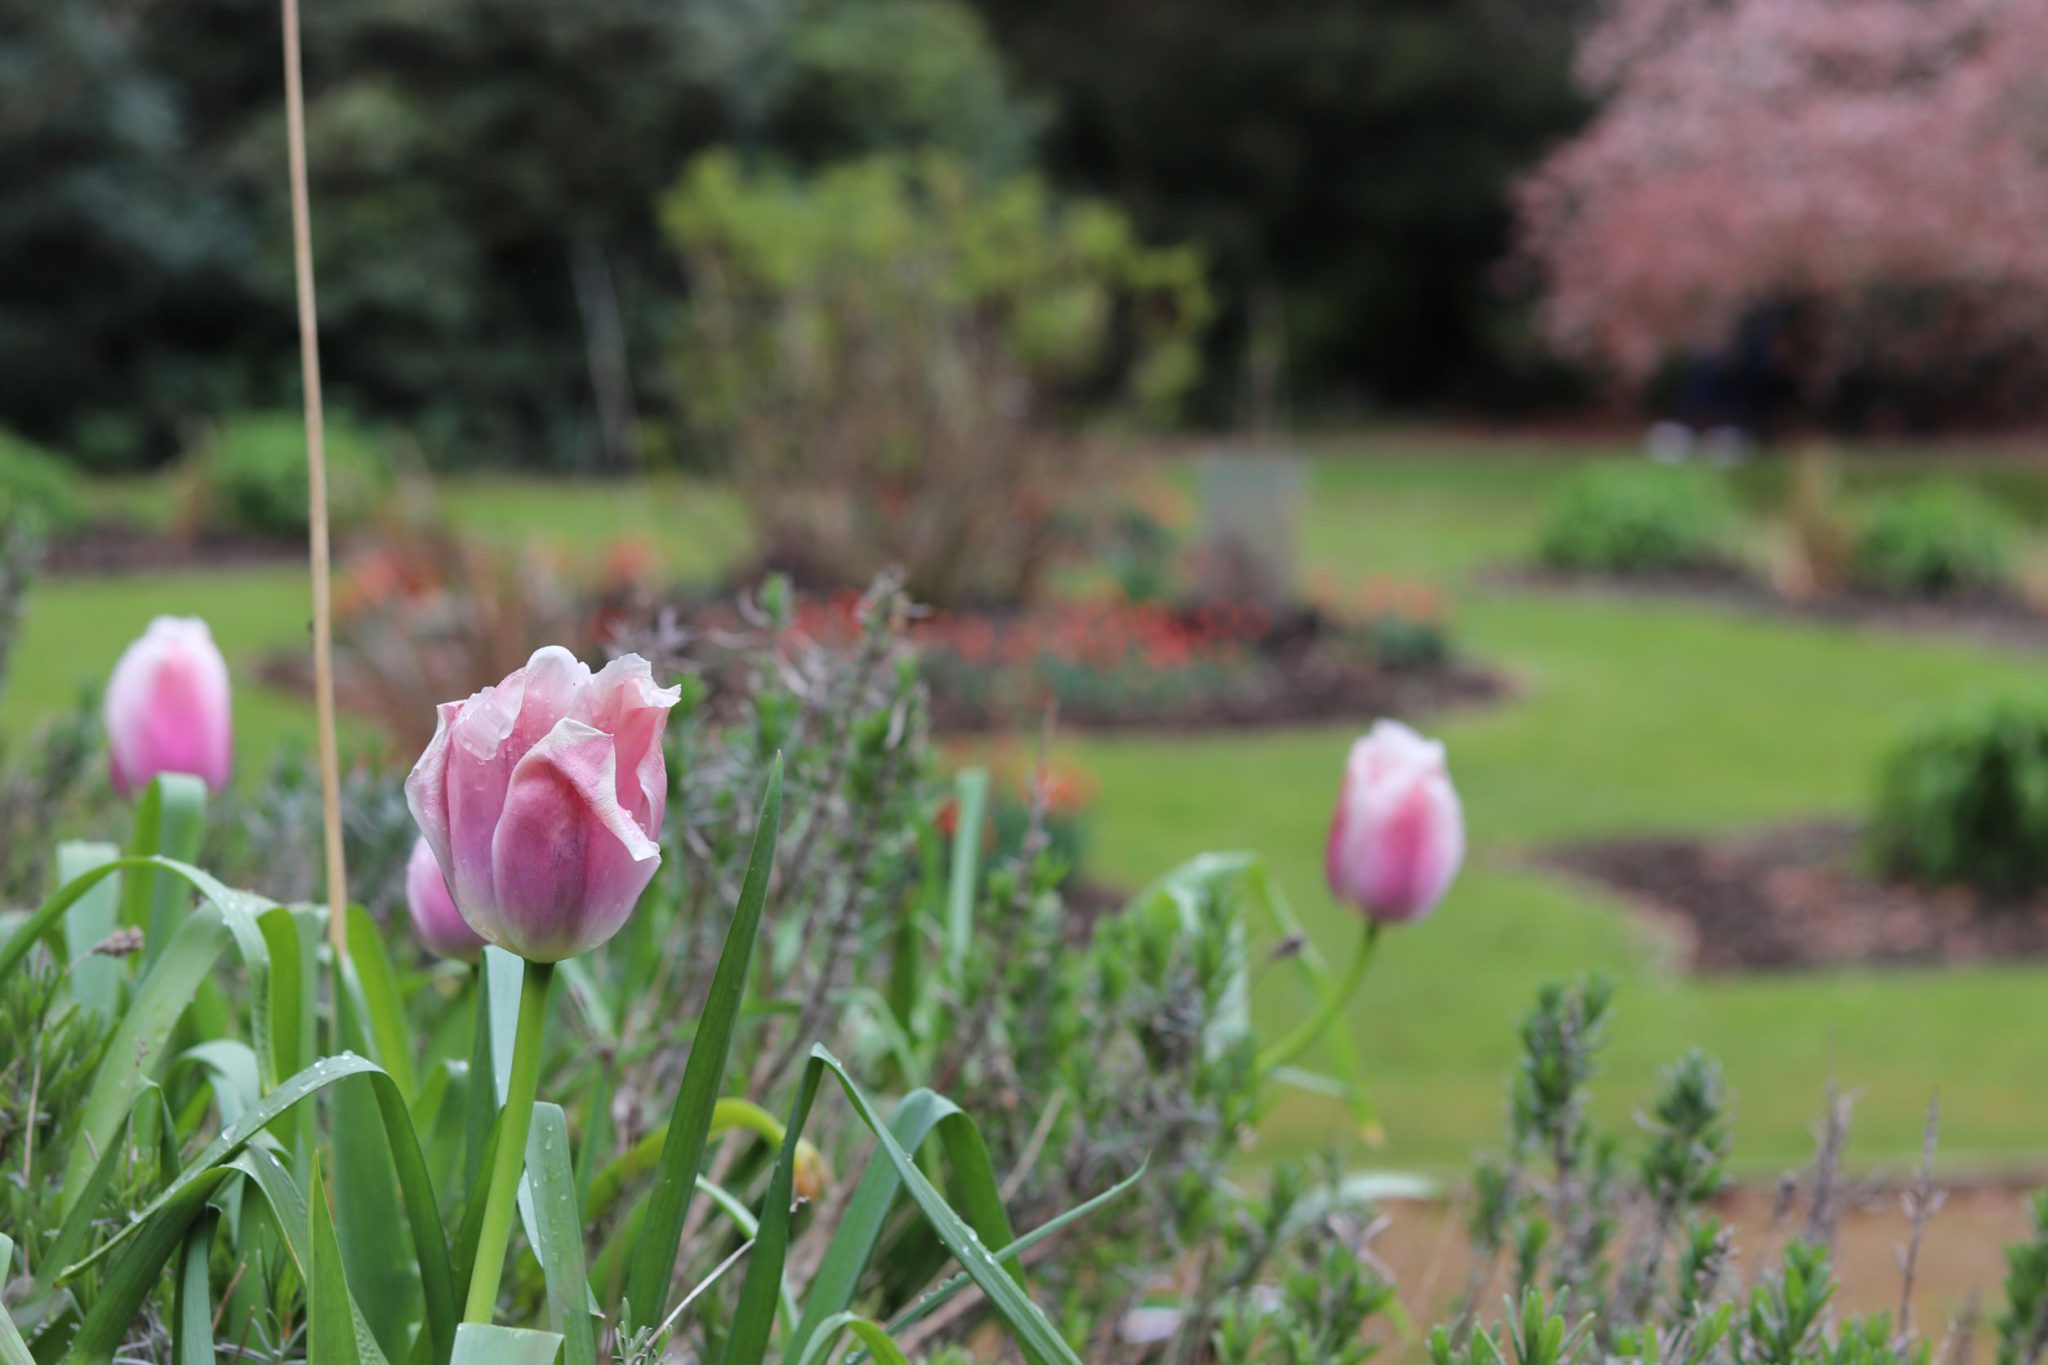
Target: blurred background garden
1645	398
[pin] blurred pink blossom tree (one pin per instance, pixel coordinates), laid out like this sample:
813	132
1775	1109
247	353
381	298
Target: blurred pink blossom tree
1880	164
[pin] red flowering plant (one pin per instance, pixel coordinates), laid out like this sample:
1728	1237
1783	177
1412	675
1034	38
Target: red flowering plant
422	612
1109	661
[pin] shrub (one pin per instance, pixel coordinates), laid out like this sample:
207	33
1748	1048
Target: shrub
1935	540
1639	519
1964	798
889	354
1607	1258
36	487
251	477
1141	551
1403	643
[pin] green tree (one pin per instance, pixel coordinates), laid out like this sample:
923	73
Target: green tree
492	275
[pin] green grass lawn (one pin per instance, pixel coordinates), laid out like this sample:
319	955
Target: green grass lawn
1630	717
1633	717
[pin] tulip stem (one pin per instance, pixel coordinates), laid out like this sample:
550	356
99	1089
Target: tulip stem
494	1234
1312	1028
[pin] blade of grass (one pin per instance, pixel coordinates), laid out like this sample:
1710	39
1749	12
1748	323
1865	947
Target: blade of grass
289	1209
147	1242
94	981
682	1154
729	1113
383	1002
192	1310
13	1350
366	1195
558	1234
747	1339
860	1226
170	820
870	1334
480	1111
608	1271
334	1331
140	1038
46	917
229	1066
915	915
479	1344
970	797
932	1302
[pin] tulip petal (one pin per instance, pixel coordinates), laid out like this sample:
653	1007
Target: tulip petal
426	786
167	707
436	922
623	701
551	682
568	861
1398	836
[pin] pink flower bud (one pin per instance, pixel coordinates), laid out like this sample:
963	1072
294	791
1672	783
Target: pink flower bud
1399	833
167	707
436	923
541	798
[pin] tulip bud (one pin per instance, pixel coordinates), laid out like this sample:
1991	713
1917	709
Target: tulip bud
1399	834
436	923
167	707
541	798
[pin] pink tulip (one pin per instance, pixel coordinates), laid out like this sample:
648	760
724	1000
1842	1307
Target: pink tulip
541	798
167	707
1399	834
436	923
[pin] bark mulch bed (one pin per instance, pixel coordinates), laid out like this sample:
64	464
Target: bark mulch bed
1995	618
1804	896
1305	696
111	548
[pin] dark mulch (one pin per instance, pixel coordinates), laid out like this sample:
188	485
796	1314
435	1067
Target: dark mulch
111	548
1804	896
1993	617
1301	696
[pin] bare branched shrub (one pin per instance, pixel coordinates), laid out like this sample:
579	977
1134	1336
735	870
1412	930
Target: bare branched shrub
890	356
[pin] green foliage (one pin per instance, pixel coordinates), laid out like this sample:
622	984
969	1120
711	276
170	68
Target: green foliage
1638	519
1689	1134
49	1049
1140	551
475	299
1566	1307
1404	643
251	477
2023	1325
36	488
1933	541
884	351
872	74
1964	798
1328	1294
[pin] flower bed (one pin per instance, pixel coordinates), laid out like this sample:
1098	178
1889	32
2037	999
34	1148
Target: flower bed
1114	664
1802	897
